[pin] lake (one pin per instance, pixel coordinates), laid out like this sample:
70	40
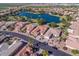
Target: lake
48	18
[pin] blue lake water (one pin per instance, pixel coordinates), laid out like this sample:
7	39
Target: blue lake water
48	18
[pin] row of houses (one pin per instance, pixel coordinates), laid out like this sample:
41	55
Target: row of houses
4	25
27	50
41	31
10	47
72	41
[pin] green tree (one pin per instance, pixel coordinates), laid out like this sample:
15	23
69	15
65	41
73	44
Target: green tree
31	40
40	21
52	25
69	18
64	23
24	18
75	52
64	20
64	34
45	53
23	30
54	13
65	48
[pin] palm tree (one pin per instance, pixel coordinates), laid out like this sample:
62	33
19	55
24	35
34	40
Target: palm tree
45	53
31	41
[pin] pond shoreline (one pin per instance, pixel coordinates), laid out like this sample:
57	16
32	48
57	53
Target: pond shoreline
49	18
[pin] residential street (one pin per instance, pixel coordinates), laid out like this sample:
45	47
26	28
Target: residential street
36	43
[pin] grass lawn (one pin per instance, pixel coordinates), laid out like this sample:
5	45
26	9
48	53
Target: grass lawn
61	17
6	5
40	6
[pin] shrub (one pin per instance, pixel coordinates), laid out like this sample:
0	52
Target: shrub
40	21
75	52
53	25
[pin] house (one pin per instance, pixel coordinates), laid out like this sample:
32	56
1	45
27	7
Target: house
56	32
24	27
25	51
2	38
39	30
6	49
74	27
9	23
18	26
30	27
52	32
43	29
2	23
48	34
72	41
35	32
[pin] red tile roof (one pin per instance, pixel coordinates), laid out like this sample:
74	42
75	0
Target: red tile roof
39	30
26	50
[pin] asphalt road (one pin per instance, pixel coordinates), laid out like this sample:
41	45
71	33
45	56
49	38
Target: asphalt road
36	43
